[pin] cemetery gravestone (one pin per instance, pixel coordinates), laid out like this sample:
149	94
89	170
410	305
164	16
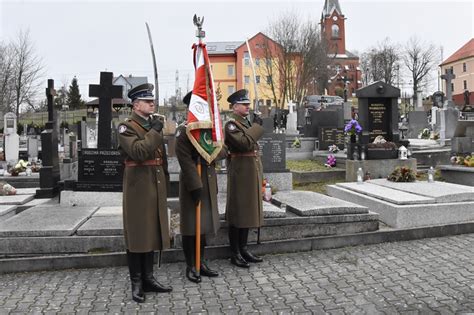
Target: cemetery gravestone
273	152
11	138
49	172
378	112
32	148
329	136
417	121
101	169
449	115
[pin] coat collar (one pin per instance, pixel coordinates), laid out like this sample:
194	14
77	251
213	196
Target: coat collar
244	121
141	121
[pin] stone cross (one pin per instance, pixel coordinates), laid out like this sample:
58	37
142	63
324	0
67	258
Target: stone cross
105	91
448	77
50	94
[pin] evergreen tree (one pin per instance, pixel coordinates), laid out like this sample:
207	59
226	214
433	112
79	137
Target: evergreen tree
73	96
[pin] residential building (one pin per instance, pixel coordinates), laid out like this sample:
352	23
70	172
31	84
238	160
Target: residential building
462	64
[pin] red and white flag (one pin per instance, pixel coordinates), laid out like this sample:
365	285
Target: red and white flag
204	127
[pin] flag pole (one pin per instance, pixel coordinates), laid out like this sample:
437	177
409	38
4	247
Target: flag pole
200	34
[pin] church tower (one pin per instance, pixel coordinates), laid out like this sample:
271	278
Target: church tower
332	27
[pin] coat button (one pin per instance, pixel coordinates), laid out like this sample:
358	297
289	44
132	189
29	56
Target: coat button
159	182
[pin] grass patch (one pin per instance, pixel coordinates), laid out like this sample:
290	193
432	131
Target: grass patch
306	166
317	187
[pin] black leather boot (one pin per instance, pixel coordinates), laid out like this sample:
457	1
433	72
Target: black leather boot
150	284
236	258
248	256
189	243
134	267
205	270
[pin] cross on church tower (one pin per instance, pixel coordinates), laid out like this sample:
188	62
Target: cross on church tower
105	91
449	91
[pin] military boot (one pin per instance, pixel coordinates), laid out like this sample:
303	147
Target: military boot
150	284
248	256
236	258
205	270
134	267
189	243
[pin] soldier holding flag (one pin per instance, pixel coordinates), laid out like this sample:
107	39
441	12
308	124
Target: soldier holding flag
195	188
199	144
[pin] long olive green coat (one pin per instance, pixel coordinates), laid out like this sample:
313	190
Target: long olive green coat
189	180
244	178
145	212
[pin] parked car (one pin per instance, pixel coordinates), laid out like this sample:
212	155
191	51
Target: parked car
315	101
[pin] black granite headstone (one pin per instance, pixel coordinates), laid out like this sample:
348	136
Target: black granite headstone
378	112
100	170
331	135
273	152
321	119
49	172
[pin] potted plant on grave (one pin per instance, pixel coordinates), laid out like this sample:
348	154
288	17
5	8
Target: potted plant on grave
381	149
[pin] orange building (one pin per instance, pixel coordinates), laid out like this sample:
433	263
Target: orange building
345	65
462	64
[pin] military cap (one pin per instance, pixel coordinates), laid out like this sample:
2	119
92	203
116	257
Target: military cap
187	98
239	97
141	92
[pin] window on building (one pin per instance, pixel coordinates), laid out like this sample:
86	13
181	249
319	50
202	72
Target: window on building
230	89
464	67
269	79
230	70
335	30
246	79
465	84
257	61
246	58
269	103
257	79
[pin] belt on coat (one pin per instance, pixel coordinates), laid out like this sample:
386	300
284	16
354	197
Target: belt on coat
155	162
237	154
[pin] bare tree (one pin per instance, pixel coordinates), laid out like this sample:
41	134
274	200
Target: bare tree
420	59
6	77
381	63
295	58
27	68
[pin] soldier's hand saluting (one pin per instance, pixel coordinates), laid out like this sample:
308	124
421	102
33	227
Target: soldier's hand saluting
257	119
157	125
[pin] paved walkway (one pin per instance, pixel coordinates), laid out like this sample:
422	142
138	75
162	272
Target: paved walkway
424	276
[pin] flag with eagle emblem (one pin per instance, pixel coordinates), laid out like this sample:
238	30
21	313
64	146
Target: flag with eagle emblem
204	127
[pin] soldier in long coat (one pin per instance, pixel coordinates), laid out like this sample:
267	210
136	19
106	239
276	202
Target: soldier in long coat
145	214
244	208
192	189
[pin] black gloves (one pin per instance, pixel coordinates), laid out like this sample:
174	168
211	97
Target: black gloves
196	195
257	119
157	125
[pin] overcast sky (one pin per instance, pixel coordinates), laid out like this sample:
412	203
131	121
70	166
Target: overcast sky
82	38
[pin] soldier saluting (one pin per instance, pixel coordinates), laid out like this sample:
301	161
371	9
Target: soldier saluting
145	214
244	178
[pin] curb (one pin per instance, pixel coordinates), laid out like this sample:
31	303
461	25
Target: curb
29	264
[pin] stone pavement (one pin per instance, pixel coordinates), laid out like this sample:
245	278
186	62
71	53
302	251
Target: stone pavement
428	276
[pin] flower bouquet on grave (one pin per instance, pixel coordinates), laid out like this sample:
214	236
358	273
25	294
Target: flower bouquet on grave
331	161
352	128
403	175
333	148
18	168
296	143
7	189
